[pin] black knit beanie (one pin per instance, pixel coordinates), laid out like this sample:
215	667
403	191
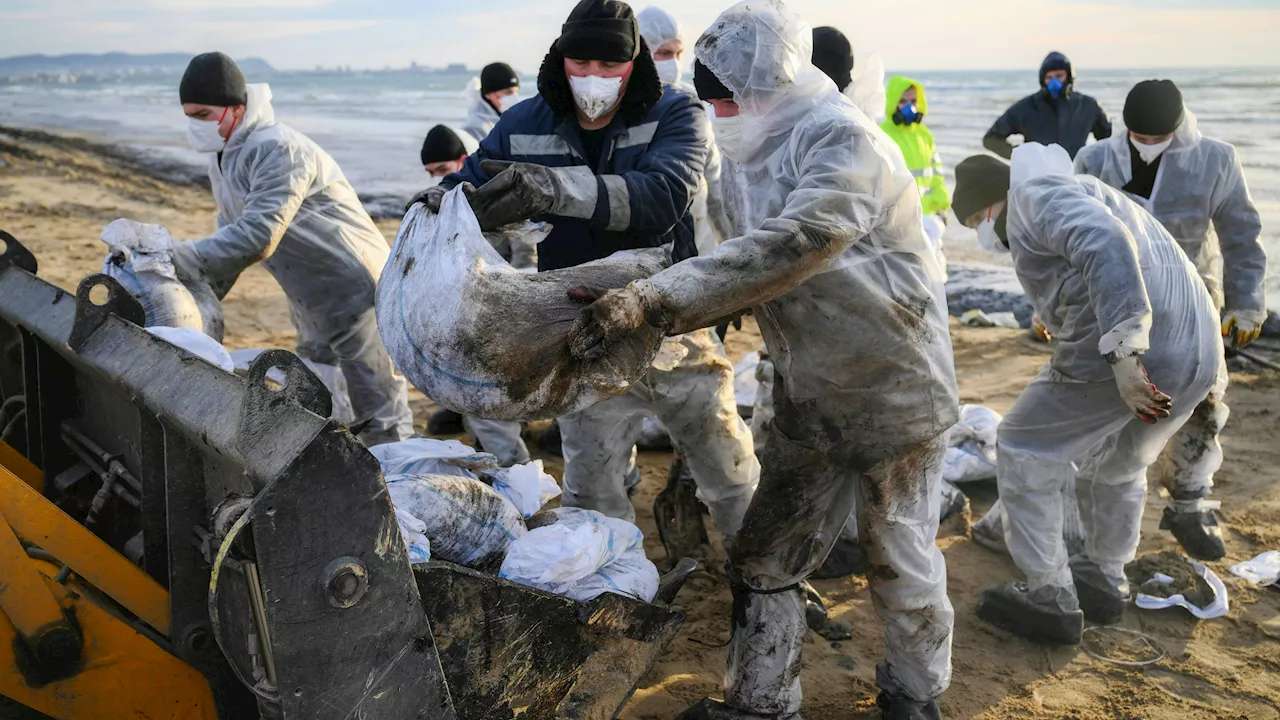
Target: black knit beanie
213	79
981	181
833	55
708	85
498	76
1154	107
604	30
441	145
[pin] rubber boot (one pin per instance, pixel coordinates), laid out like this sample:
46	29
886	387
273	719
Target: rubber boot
897	707
954	502
846	558
1049	614
1197	532
1103	599
445	422
815	616
549	441
708	709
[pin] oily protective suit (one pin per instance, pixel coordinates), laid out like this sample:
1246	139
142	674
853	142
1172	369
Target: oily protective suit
1041	118
1201	198
846	290
1103	275
918	147
710	224
283	201
481	116
866	87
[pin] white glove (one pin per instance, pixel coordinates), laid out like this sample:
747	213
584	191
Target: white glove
1139	395
186	262
1241	327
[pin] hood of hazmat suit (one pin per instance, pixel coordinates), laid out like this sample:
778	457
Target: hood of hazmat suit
866	89
481	116
830	252
1201	198
917	145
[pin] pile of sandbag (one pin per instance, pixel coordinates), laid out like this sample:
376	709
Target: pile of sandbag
457	505
141	260
481	338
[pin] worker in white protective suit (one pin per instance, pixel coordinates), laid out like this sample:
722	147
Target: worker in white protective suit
1195	187
832	258
284	202
488	96
1138	350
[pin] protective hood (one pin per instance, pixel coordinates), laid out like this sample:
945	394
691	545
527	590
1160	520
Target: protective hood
1033	160
1186	138
762	52
1056	61
476	104
866	89
658	27
258	113
898	85
644	88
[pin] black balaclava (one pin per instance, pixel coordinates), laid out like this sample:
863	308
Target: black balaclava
604	30
1154	107
981	181
441	145
497	76
833	55
213	79
1058	61
708	85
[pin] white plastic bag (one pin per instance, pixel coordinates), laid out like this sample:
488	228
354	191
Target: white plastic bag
527	486
197	343
483	339
582	555
141	260
466	521
334	381
745	384
1262	571
414	532
1216	609
428	456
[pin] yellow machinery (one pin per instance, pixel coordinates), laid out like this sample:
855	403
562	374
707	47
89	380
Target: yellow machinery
180	542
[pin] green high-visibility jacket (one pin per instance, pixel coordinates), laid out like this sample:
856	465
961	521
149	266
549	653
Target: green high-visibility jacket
917	146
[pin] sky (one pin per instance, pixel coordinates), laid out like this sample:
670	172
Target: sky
908	34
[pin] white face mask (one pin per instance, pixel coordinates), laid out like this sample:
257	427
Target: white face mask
728	135
988	238
595	95
506	102
669	71
1149	153
203	136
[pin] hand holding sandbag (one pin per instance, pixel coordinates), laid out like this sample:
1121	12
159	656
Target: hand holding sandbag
613	315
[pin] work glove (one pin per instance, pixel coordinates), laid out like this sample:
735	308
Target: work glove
1138	393
611	315
186	262
1043	334
520	191
431	197
1242	327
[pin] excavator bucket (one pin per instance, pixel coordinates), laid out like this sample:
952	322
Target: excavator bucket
276	566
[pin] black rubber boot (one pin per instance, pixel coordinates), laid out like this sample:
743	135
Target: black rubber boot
815	616
896	707
1102	599
956	503
549	441
846	558
445	422
1197	532
708	709
1049	615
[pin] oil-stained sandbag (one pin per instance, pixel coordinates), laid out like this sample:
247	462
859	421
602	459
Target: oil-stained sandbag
466	521
481	338
141	261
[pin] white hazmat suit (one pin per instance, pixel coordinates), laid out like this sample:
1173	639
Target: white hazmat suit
1103	275
284	202
833	260
1201	198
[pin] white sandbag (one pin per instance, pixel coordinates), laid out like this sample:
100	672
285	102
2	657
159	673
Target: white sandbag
141	260
972	452
414	532
197	343
582	555
483	339
428	456
466	521
334	381
745	384
527	486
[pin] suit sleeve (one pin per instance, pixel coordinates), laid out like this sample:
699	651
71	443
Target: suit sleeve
1239	229
1101	124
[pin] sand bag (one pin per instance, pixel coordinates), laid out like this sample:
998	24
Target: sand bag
429	456
527	486
141	261
465	521
972	452
197	343
582	554
481	338
330	375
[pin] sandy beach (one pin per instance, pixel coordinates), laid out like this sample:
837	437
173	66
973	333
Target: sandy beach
57	192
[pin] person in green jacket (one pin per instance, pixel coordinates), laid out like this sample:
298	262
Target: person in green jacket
905	108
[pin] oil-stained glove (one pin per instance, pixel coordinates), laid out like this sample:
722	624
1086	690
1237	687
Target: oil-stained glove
1242	327
612	315
520	191
431	197
187	262
1137	391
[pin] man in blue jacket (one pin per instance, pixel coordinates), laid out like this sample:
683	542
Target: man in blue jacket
1056	115
612	160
